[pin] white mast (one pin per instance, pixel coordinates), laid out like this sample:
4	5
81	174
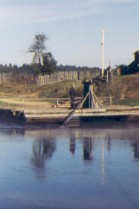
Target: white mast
102	46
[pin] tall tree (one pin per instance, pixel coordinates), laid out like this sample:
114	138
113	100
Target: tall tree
38	47
49	63
43	62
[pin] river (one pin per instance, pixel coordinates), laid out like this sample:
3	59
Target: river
90	167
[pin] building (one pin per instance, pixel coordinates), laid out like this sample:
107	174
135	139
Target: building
133	67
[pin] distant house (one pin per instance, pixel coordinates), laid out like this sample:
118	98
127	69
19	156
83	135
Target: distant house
134	66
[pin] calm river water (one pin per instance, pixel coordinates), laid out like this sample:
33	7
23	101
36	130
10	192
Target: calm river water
69	168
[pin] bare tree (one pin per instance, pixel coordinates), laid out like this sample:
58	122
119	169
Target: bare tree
38	47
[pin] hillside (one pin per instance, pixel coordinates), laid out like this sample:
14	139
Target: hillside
56	90
123	89
125	86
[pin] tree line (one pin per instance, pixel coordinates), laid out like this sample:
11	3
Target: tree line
31	69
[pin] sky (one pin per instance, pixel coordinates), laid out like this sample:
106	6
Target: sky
74	28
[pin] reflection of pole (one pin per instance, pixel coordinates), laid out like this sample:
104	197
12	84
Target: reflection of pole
102	46
102	159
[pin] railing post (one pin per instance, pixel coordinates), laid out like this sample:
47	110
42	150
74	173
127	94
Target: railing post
57	102
110	100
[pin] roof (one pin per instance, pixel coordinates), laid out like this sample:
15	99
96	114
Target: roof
137	52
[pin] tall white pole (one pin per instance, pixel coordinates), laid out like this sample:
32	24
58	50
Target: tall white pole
102	46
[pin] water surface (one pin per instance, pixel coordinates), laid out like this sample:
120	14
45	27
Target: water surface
94	167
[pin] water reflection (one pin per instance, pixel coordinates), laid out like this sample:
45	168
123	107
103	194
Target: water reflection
94	165
87	148
135	146
44	144
109	141
72	145
43	150
44	147
12	131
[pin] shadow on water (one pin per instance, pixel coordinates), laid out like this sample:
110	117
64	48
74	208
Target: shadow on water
103	126
94	124
109	124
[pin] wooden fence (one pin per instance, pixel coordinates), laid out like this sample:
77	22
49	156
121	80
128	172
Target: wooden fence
13	77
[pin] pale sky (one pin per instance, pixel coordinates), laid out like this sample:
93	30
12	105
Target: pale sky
74	29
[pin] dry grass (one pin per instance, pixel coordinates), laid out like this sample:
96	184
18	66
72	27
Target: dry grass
33	96
60	89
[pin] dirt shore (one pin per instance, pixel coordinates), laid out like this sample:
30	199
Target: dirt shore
23	104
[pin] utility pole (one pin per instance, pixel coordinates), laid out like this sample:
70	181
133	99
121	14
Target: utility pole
102	48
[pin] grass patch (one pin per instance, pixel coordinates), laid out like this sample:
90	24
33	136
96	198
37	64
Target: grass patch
3	104
60	90
129	102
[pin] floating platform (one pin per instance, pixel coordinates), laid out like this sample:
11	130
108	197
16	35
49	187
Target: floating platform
59	115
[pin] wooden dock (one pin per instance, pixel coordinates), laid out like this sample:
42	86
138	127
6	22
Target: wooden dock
58	115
